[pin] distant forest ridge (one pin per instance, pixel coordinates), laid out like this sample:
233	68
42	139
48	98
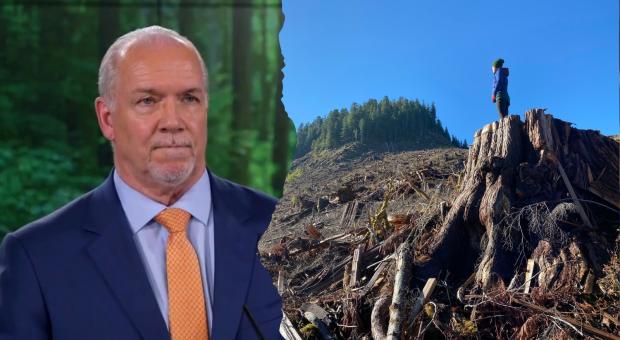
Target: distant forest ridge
397	124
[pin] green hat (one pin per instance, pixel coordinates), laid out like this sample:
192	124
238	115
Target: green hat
498	63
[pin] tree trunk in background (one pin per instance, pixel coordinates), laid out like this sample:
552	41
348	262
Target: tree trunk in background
267	105
242	88
186	20
523	196
109	30
108	25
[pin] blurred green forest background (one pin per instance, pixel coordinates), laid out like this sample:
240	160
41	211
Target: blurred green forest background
51	150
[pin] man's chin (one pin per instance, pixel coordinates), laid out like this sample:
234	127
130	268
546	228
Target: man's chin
171	175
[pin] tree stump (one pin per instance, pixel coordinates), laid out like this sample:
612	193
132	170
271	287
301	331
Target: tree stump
516	175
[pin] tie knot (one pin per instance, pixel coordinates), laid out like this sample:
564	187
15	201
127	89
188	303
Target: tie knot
173	219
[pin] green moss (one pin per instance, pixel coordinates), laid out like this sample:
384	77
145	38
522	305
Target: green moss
308	330
294	174
464	327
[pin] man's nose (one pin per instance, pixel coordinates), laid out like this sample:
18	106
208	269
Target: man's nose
170	119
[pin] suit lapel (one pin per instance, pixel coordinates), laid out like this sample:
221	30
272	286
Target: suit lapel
235	249
116	257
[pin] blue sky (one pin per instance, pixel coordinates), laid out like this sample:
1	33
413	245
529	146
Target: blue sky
562	55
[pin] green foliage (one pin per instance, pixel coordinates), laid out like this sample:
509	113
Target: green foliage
294	174
35	181
391	123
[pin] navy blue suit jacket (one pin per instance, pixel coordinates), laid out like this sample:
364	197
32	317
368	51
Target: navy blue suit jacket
76	274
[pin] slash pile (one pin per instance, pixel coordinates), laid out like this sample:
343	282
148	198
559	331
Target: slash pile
522	241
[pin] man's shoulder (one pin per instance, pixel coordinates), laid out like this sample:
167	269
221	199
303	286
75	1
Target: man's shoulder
58	224
243	196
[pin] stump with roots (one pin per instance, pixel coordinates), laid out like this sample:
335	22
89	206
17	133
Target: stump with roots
539	190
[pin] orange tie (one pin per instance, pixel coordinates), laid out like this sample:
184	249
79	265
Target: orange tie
187	314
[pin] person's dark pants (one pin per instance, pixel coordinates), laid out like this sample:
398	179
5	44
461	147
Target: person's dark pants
503	101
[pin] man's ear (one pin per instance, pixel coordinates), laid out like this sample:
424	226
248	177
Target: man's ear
104	118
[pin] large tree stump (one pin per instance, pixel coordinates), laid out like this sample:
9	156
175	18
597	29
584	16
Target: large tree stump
516	175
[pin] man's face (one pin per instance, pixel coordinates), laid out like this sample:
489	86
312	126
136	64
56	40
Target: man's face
158	123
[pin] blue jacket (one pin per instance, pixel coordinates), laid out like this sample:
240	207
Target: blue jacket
500	81
76	274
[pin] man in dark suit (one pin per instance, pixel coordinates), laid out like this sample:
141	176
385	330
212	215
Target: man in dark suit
163	248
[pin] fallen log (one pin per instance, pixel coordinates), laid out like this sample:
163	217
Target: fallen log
401	287
334	237
281	282
287	330
355	267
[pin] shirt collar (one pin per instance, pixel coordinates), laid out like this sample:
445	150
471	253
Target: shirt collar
140	209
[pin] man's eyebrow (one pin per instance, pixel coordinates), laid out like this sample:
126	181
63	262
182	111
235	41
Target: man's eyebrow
192	90
157	93
146	90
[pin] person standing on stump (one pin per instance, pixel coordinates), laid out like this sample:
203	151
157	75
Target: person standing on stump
500	87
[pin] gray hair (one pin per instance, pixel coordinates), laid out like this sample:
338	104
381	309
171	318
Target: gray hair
151	34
